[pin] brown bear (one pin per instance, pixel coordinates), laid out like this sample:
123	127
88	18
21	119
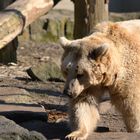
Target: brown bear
108	59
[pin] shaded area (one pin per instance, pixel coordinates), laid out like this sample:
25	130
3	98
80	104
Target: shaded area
49	130
23	116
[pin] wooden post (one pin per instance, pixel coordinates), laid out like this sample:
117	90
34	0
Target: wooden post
87	14
80	19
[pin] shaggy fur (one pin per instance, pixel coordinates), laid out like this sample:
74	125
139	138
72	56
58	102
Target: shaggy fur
107	59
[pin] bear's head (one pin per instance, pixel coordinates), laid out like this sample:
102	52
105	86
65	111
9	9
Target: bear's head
87	62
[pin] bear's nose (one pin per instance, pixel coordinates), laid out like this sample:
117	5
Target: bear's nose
69	65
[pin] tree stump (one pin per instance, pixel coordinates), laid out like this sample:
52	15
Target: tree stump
87	14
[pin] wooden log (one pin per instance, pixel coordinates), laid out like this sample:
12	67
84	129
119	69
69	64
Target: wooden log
19	15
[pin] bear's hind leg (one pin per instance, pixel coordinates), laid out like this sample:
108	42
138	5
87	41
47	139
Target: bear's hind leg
130	109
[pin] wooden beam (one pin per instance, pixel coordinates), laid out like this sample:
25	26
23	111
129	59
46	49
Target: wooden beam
19	15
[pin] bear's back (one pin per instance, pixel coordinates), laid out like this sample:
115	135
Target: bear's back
132	26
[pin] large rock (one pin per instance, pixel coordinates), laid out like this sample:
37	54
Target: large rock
9	130
48	71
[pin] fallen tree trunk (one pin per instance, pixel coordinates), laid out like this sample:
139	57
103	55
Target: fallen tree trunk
19	15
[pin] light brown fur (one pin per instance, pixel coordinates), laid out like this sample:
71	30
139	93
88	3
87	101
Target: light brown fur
107	59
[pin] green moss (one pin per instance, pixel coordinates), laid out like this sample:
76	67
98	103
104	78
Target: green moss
50	28
56	29
47	71
69	29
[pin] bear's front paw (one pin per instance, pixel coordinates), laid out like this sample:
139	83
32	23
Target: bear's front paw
77	135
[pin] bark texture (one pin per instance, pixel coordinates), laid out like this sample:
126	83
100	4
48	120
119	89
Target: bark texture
87	14
19	15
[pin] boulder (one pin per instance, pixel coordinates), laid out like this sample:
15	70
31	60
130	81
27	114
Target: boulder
48	71
9	130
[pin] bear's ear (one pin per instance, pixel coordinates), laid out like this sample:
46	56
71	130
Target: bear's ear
72	44
65	43
98	52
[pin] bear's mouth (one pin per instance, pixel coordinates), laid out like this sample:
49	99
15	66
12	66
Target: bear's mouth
72	95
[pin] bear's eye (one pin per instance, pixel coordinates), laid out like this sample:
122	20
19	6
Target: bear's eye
95	53
91	55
